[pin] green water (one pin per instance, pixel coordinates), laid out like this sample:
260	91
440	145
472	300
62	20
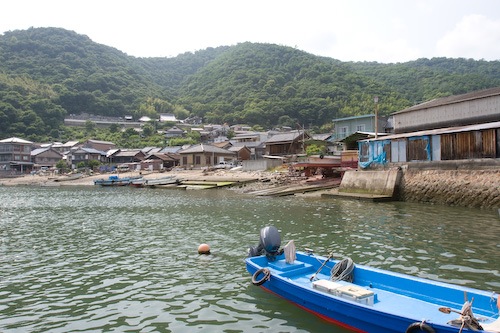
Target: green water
91	259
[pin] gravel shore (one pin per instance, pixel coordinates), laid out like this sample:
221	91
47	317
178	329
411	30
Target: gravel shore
249	180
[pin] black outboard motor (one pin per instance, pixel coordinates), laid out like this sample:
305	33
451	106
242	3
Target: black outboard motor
269	244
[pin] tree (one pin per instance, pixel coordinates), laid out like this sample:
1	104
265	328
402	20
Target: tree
148	130
93	164
62	166
113	128
315	149
89	127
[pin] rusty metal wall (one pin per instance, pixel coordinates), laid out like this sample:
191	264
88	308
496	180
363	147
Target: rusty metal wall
418	149
469	145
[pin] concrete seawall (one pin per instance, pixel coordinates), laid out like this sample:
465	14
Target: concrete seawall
371	182
466	188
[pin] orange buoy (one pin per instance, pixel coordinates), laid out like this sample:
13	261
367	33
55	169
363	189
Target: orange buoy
204	249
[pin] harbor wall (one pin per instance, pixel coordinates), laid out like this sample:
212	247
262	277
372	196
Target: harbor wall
467	187
371	182
474	184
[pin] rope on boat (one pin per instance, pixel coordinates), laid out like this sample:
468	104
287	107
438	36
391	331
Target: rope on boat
266	275
343	271
420	326
466	319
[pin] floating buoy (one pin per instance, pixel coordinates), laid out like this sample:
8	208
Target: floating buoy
204	249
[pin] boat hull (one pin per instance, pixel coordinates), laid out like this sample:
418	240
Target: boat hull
116	181
388	309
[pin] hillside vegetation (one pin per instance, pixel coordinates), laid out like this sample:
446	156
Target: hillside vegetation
49	73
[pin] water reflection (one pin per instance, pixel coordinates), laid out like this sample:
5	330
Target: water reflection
96	259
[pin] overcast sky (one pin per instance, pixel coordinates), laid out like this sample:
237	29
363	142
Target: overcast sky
349	30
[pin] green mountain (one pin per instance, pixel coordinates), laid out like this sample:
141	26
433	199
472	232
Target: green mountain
49	73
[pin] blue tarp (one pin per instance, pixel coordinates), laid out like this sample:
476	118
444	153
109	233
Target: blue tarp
376	153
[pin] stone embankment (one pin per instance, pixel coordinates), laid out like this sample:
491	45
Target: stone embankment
466	188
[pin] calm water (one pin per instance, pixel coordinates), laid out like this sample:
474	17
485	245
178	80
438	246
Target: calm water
89	259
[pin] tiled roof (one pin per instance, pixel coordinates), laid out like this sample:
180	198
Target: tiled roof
35	152
201	148
285	137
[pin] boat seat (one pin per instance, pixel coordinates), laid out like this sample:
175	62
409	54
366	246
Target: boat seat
346	290
492	327
327	285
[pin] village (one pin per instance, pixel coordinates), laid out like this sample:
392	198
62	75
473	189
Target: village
453	140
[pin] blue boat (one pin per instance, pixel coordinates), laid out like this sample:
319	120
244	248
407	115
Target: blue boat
115	181
366	299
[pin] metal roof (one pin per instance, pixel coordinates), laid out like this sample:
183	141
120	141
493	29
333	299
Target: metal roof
354	117
37	151
286	137
131	152
447	130
15	140
201	148
453	99
100	142
90	151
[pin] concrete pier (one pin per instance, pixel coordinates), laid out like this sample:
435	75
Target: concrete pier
368	185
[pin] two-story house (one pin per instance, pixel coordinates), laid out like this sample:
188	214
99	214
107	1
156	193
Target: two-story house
15	155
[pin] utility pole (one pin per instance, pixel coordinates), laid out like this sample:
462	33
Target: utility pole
375	99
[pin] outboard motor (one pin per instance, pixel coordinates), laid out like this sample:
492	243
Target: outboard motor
269	244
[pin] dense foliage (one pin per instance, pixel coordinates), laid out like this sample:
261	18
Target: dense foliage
49	73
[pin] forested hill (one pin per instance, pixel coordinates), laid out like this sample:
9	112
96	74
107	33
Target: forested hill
48	73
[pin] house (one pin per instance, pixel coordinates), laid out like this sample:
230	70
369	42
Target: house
203	155
84	155
150	150
64	147
255	141
289	143
15	155
174	132
459	110
223	144
45	157
366	123
99	145
159	161
123	156
243	153
171	150
167	117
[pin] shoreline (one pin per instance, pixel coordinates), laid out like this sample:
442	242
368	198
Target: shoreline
248	180
461	188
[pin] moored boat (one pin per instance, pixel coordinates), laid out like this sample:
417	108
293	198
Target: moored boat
169	180
115	181
69	177
367	299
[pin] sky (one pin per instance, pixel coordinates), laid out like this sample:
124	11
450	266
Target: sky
386	31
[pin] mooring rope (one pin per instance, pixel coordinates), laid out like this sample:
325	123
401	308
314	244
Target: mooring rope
343	271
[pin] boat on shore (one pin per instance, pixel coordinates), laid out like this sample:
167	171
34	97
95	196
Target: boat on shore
366	299
115	181
168	180
69	177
